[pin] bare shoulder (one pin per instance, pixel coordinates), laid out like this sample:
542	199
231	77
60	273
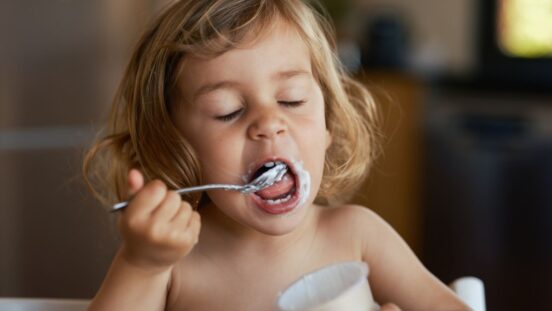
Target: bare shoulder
390	259
377	240
360	225
361	220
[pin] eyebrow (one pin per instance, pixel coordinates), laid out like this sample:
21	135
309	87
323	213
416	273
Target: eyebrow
210	87
287	74
225	84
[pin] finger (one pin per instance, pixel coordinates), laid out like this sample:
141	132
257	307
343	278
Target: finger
194	226
168	208
135	181
191	234
182	218
148	198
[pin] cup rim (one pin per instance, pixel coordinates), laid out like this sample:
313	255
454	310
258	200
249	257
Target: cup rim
363	266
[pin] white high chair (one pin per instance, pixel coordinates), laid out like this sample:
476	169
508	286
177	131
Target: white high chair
42	304
469	289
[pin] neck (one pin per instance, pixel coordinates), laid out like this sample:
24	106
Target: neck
221	233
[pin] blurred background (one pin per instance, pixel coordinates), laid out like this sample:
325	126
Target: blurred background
465	90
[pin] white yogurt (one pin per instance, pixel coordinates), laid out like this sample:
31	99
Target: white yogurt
304	182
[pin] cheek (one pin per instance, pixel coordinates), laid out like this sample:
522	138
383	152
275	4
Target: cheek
215	152
220	160
313	146
312	129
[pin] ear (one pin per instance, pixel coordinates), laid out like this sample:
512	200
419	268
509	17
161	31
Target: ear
328	139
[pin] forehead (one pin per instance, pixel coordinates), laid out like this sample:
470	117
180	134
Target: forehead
279	48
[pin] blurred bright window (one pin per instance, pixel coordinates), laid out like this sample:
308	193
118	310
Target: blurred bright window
525	28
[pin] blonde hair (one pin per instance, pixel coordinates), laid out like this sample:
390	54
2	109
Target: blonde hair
140	132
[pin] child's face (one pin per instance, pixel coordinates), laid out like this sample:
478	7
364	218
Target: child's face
248	106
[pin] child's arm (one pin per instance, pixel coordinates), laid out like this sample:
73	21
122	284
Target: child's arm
158	229
396	274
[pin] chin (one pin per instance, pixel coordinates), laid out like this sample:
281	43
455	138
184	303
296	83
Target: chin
282	225
278	222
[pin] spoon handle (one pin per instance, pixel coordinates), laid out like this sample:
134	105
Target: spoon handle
121	205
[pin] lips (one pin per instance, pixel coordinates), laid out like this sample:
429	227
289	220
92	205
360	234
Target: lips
282	196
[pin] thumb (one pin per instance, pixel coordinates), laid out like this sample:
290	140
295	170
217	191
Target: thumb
135	181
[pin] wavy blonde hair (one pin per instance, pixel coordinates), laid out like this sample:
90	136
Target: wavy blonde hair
140	132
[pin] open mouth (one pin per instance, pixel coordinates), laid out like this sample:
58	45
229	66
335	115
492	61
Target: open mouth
281	196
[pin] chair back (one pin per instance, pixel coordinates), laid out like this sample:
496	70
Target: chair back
471	291
42	304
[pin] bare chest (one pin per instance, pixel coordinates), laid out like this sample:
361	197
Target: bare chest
210	287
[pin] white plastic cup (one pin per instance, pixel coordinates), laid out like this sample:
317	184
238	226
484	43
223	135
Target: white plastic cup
471	291
342	286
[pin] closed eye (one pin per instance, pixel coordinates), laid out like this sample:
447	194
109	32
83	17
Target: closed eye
230	116
292	103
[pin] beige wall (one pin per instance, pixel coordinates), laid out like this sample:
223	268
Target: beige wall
441	30
59	66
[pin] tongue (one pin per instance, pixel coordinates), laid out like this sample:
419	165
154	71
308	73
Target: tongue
278	189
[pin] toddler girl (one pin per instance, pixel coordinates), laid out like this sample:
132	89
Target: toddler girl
218	91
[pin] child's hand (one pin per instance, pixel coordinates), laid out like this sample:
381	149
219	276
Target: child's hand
158	228
390	307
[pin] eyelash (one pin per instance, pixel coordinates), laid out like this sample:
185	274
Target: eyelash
233	115
230	116
293	103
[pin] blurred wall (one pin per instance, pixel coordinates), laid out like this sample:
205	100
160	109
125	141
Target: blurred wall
59	66
441	33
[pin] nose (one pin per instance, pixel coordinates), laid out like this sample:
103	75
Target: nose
268	125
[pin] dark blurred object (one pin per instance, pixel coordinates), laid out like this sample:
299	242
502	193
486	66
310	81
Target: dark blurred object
344	15
386	43
488	195
338	9
498	66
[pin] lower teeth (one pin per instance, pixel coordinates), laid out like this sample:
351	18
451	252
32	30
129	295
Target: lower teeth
278	201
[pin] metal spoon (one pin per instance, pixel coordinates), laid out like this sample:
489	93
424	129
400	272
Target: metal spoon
268	178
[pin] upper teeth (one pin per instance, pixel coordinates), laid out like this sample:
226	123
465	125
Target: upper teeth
272	164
